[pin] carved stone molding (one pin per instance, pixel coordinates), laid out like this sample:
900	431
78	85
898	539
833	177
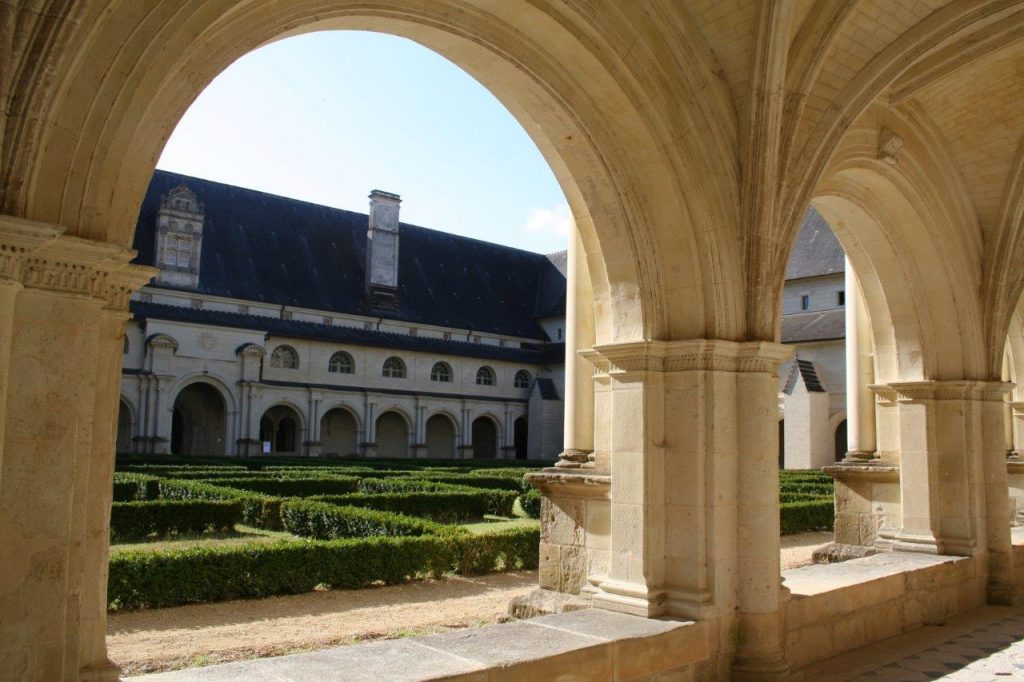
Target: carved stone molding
38	256
575	483
162	341
683	356
251	350
575	459
915	391
889	145
871	472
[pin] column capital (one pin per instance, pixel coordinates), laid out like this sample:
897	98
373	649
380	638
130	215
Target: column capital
957	389
688	355
40	256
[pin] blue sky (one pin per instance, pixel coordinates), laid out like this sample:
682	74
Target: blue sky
326	117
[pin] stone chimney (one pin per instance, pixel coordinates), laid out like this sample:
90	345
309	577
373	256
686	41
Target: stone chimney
382	250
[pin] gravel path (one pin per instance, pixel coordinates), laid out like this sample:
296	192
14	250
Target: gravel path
169	639
203	634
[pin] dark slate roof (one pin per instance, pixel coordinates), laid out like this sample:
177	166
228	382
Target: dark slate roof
536	354
267	248
547	388
551	290
816	251
820	326
805	370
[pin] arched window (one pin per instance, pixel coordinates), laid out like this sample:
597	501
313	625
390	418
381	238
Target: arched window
485	376
284	357
394	367
341	363
441	371
522	379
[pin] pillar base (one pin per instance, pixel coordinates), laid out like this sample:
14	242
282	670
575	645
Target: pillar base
369	449
860	457
635	600
571	458
761	668
108	672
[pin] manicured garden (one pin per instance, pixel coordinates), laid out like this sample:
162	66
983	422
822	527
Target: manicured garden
210	529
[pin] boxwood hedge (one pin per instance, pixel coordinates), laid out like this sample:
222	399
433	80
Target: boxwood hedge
130	486
294	487
325	521
806	515
206	574
446	506
262	511
163	517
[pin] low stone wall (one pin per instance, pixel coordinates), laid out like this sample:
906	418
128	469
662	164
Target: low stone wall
834	608
867	504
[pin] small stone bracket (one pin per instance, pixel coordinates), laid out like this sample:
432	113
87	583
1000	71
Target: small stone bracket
889	145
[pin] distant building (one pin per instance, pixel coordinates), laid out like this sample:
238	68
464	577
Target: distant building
276	325
812	393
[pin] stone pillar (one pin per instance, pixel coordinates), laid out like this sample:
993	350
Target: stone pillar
694	521
952	468
578	450
313	443
370	418
419	438
466	446
860	401
61	391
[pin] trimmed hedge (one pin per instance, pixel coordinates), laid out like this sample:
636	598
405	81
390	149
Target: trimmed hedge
324	521
163	517
294	487
262	511
208	574
529	502
797	517
444	506
406	485
129	487
480	481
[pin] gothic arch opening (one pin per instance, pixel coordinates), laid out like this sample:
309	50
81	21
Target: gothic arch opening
199	421
485	438
392	435
125	426
281	428
521	437
339	433
441	435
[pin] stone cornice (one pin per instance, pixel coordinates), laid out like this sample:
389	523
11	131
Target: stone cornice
690	355
913	391
39	256
871	472
574	483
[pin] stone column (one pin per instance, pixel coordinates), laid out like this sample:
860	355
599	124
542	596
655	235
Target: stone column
578	450
952	467
61	391
466	447
694	521
370	418
419	439
860	401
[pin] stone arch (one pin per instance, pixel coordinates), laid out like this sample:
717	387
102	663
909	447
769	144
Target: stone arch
393	429
441	435
486	436
199	419
608	146
198	377
909	260
339	430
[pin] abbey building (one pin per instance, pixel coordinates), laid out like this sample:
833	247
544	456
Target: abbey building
279	326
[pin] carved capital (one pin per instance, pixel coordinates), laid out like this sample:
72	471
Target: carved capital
684	356
38	256
916	391
889	145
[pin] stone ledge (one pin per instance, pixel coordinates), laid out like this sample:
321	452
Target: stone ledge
589	644
870	472
1015	466
572	482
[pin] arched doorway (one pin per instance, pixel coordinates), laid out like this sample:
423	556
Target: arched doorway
441	437
840	442
280	426
124	427
485	438
520	437
199	421
392	435
339	432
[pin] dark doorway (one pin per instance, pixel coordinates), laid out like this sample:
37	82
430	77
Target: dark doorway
520	437
199	421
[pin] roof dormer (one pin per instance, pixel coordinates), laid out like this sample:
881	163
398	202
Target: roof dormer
179	238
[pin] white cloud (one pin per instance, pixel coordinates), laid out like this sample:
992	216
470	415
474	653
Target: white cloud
556	219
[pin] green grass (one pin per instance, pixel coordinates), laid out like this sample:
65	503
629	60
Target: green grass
493	524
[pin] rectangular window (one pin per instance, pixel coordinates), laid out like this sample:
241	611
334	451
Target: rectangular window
840	297
447	336
805	302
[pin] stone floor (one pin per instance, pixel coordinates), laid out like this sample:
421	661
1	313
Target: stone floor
985	644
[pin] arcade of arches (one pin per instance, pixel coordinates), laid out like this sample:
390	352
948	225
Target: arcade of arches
689	139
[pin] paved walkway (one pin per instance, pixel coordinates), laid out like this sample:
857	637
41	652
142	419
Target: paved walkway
985	644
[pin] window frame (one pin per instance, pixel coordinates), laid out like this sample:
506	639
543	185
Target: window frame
520	374
391	372
486	376
276	357
442	372
343	357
